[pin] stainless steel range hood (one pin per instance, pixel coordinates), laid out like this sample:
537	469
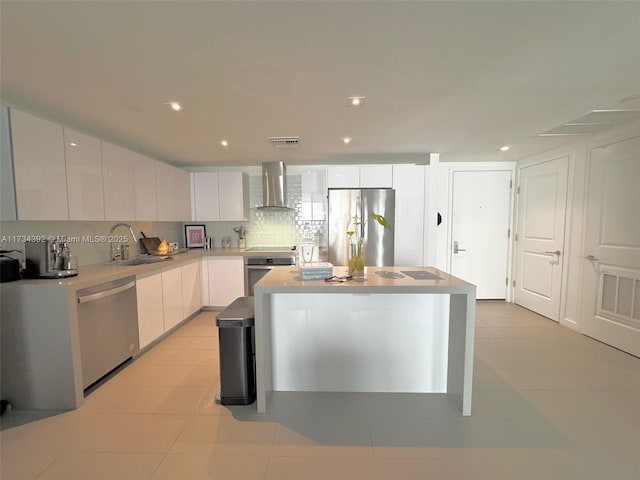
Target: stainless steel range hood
274	185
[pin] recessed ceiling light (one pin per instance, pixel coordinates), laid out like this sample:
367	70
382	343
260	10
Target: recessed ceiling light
174	105
355	101
224	143
346	140
73	144
505	148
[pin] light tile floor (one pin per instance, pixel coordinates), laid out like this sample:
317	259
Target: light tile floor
548	403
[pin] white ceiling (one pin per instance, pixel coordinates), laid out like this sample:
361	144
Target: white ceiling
458	78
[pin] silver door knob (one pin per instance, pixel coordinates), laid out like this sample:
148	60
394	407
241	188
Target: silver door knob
456	249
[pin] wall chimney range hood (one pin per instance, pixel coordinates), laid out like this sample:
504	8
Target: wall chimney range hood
274	186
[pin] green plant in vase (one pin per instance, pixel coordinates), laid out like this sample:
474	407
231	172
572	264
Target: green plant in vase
357	243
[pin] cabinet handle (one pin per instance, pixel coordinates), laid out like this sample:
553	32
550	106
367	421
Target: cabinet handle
556	252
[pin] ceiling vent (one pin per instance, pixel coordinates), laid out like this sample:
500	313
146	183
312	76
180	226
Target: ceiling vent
285	142
593	122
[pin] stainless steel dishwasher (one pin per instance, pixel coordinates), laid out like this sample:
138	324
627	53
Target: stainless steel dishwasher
108	327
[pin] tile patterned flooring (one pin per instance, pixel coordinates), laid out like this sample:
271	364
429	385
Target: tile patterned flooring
548	403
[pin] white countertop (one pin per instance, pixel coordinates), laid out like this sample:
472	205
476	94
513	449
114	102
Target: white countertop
97	273
288	280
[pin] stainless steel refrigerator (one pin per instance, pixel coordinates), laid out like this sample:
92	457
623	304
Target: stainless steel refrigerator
344	205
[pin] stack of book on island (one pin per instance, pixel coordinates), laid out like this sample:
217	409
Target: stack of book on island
316	270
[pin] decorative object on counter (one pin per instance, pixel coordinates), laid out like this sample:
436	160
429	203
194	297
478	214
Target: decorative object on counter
316	271
241	231
195	236
307	253
208	243
358	244
163	248
173	246
226	242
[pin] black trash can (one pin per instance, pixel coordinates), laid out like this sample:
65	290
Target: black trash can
237	353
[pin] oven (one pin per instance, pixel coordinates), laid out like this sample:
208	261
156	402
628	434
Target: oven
256	267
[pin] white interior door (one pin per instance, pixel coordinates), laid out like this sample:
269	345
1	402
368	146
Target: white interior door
542	201
480	229
611	278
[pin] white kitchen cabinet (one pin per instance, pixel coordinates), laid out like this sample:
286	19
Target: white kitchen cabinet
343	176
314	192
150	308
117	177
233	192
173	193
7	186
206	202
39	168
408	227
359	176
191	288
83	159
204	281
376	176
144	188
172	297
226	280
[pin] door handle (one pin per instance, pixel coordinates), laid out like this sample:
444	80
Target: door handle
556	252
591	258
456	249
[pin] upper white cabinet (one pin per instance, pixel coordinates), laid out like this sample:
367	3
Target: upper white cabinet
359	176
233	191
376	176
220	196
117	177
83	160
206	203
314	192
173	193
144	188
409	184
343	176
39	168
7	187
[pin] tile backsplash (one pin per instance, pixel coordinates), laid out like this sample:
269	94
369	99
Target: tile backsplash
85	238
273	228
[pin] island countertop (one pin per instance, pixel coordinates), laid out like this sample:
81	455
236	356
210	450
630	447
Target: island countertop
375	280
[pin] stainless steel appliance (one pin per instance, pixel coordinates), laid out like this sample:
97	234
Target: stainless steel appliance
108	327
48	259
344	205
256	267
274	186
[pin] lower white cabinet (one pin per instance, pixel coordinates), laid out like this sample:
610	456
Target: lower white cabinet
150	308
172	297
226	280
191	288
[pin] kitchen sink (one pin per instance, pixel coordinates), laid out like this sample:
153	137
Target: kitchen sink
142	261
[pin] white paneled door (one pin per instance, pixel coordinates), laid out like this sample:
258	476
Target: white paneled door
611	277
480	230
542	201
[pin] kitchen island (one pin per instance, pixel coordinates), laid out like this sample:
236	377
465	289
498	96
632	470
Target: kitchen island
398	329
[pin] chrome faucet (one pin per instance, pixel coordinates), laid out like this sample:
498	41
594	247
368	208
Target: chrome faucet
117	252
